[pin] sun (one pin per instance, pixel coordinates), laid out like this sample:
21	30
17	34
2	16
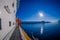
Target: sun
41	14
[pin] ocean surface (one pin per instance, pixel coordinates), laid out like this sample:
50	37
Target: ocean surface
43	31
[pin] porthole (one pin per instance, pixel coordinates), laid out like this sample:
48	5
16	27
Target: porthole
13	4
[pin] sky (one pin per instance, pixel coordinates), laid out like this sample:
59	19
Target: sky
29	10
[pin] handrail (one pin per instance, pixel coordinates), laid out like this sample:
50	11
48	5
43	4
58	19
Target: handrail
24	34
8	33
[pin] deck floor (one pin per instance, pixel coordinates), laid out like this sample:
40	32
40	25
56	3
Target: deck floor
16	34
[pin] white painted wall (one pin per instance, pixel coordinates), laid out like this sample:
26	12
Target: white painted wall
6	17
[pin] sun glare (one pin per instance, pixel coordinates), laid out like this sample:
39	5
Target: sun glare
41	14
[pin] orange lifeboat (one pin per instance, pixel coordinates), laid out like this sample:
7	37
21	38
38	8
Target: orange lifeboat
18	21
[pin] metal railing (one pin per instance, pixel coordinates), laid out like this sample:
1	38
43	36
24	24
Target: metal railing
8	35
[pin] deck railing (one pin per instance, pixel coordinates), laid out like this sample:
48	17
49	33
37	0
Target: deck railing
8	35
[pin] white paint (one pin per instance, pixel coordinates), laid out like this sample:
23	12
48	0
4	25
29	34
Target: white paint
6	17
22	35
0	11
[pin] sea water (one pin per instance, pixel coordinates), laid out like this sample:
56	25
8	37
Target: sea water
43	31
